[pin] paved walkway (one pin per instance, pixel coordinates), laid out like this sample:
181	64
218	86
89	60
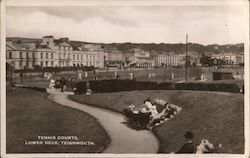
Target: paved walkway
123	139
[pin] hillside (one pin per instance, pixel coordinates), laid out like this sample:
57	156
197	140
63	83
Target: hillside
180	47
193	48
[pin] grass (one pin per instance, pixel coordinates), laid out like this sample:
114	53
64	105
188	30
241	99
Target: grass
216	116
162	75
29	115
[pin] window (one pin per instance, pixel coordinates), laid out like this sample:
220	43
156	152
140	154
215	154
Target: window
77	56
51	55
33	63
33	55
21	64
41	63
10	55
27	55
52	63
46	63
41	55
21	55
81	56
73	56
47	55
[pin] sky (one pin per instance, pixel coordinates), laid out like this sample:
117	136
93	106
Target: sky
137	24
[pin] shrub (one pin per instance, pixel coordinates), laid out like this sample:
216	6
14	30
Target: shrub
223	87
114	85
105	86
43	90
165	86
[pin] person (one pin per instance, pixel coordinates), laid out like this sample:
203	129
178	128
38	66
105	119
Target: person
204	147
86	74
73	86
21	75
115	74
134	78
63	83
49	76
68	85
131	76
88	90
188	147
148	103
171	110
12	85
80	76
52	83
58	83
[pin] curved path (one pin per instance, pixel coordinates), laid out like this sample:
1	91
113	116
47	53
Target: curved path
123	139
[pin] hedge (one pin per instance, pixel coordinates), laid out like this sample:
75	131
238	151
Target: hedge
107	86
43	90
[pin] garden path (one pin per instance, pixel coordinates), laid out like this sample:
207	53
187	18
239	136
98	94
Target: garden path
123	138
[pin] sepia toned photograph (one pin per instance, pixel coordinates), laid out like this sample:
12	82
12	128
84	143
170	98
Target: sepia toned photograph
126	79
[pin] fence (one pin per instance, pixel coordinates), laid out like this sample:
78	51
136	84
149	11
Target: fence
155	75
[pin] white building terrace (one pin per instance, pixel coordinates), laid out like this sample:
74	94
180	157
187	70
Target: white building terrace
50	52
230	58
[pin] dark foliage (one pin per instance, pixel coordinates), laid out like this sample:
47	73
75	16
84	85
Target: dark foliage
108	86
43	90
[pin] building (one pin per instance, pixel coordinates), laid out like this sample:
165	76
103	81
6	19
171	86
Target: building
240	58
88	55
50	52
169	59
139	58
229	58
23	55
113	57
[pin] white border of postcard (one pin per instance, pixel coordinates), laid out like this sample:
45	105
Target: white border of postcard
20	3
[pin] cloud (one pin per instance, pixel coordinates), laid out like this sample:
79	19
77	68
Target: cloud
205	24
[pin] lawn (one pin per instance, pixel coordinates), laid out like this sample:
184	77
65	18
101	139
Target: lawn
216	116
30	114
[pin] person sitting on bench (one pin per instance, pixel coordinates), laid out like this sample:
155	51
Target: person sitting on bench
169	111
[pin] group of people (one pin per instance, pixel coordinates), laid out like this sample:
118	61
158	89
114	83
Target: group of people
62	84
156	118
189	147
